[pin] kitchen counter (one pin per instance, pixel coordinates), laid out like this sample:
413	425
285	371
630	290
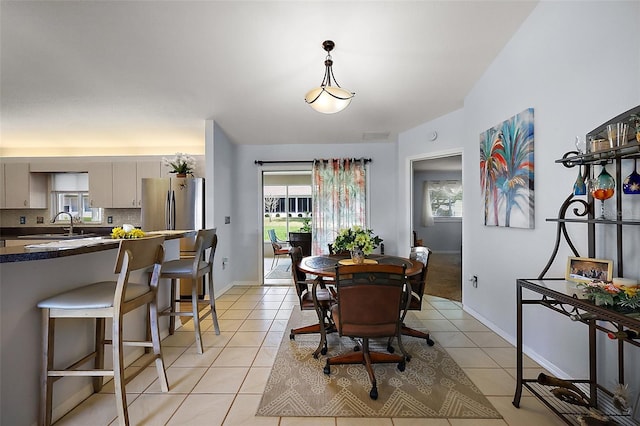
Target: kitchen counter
72	247
28	276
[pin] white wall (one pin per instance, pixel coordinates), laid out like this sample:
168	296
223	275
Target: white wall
220	198
382	178
557	63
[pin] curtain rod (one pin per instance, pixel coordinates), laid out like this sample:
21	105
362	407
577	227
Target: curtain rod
261	162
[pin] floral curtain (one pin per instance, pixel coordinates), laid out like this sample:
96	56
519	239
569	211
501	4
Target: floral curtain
339	199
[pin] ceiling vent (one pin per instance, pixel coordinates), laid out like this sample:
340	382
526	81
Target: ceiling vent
375	136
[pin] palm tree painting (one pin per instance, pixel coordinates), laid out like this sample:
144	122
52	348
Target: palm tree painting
506	172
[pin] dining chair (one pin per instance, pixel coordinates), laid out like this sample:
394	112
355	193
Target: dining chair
99	301
194	270
370	300
320	299
418	284
279	249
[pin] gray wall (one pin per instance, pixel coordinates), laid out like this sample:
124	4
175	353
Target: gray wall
553	65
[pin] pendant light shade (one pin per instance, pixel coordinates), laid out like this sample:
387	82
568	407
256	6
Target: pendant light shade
329	99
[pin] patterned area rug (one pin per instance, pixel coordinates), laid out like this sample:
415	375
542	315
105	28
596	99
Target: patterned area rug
432	386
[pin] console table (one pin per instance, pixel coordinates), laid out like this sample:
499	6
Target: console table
562	296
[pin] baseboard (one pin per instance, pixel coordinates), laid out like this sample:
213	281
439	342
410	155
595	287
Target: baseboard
550	367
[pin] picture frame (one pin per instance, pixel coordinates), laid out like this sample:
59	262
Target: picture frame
586	269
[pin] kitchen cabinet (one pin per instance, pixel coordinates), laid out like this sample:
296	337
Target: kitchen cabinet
100	184
124	185
127	181
2	197
126	177
146	169
23	189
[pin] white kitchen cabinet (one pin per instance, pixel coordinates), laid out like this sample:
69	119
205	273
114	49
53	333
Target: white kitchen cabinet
2	197
22	189
100	184
146	169
124	185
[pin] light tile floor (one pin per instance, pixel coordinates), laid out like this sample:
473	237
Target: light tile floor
224	385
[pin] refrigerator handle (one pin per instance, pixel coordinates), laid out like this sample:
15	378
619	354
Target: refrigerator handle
167	211
173	210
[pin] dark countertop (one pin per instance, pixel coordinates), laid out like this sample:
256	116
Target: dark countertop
11	233
23	254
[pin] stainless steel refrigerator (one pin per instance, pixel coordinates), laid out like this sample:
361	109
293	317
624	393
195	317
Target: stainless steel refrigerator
174	204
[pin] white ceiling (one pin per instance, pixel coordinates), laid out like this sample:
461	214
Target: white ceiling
142	76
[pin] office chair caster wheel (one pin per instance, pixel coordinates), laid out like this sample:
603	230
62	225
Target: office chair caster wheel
408	358
323	351
401	366
430	342
391	349
292	336
356	348
327	370
374	393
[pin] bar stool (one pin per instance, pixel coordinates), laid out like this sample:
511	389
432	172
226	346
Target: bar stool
107	299
193	269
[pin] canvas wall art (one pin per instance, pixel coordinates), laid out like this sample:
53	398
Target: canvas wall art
507	172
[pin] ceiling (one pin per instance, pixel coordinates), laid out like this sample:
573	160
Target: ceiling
140	77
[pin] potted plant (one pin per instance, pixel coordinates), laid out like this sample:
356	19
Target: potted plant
182	164
358	241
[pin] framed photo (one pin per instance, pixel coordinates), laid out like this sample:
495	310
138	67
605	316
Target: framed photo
585	269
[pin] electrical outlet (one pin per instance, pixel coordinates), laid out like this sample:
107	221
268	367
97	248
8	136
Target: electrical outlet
23	220
109	219
227	220
40	219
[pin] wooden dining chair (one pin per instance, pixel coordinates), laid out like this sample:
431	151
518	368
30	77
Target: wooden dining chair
370	303
99	301
418	284
320	299
194	270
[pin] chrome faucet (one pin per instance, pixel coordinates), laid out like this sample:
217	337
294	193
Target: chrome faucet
70	221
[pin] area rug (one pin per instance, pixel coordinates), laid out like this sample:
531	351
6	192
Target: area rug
432	385
279	272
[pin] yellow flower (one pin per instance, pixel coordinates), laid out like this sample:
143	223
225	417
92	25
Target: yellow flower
119	233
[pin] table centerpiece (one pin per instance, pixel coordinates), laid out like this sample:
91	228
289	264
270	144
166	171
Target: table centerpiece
620	297
126	232
358	241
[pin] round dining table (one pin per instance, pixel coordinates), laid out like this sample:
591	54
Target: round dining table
325	265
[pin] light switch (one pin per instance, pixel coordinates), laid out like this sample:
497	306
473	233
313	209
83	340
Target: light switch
227	220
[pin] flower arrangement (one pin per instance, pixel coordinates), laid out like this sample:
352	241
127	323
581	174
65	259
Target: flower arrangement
608	294
182	164
126	232
357	237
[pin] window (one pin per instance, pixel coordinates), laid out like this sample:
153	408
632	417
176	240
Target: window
442	199
70	193
76	203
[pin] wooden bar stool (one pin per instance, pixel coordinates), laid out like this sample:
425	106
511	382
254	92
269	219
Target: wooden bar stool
193	269
107	299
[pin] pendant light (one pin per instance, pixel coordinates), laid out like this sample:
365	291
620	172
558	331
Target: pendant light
329	99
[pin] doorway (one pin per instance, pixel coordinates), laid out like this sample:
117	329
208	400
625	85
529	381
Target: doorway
436	219
287	207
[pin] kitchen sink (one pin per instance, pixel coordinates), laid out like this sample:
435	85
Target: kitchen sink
64	236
